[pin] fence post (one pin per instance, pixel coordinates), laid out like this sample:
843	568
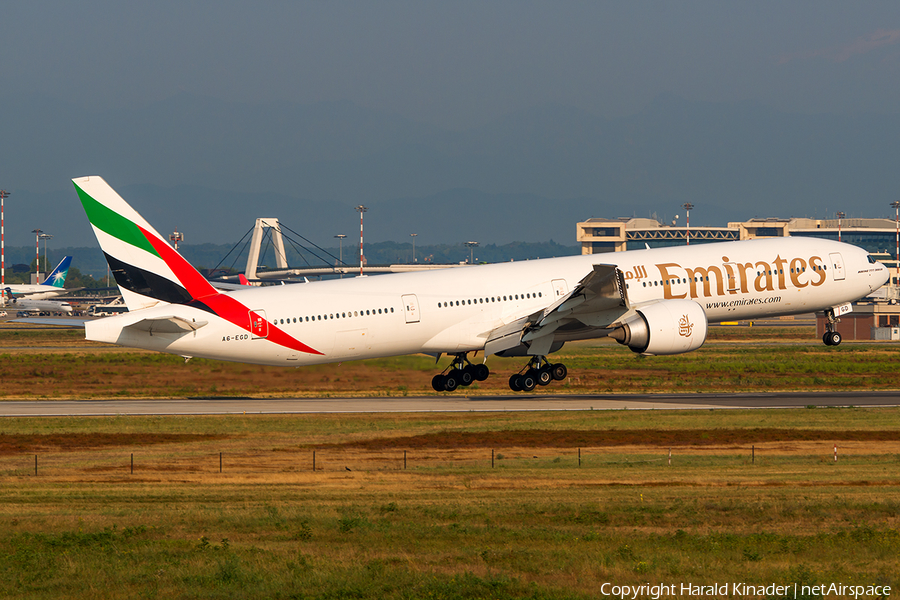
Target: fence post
579	457
35	465
220	462
492	458
670	457
835	453
753	453
132	463
404	460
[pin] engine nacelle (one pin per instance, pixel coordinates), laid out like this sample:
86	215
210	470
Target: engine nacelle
666	327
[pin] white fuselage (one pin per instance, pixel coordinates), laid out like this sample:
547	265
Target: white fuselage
49	306
454	310
34	292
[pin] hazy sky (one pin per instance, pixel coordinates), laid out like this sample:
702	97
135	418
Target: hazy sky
457	64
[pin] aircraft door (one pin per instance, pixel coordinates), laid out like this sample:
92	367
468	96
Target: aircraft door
411	308
837	266
560	288
731	277
259	326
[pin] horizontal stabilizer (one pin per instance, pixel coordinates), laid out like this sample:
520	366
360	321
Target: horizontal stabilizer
167	324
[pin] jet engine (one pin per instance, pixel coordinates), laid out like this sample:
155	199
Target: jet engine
666	327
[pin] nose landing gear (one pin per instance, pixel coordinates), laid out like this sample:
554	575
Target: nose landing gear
538	371
831	337
461	372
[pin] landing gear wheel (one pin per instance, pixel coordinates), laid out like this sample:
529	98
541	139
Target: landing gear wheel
460	372
543	375
466	376
461	377
527	381
559	371
514	383
451	381
832	338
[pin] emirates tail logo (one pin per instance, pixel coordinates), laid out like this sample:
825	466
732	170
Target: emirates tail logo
685	326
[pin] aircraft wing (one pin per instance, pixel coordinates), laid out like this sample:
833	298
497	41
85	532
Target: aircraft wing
595	304
73	323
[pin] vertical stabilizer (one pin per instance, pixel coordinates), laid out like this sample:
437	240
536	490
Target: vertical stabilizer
150	272
147	269
57	277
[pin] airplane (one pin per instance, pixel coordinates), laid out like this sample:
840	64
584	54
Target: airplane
654	301
28	304
50	287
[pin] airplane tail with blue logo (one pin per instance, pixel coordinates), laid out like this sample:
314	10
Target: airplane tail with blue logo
57	277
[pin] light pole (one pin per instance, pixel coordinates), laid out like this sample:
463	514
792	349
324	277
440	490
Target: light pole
37	253
687	206
341	237
362	209
471	246
3	196
840	216
45	237
413	236
896	206
175	237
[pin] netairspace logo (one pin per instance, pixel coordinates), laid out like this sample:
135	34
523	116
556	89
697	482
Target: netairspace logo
743	590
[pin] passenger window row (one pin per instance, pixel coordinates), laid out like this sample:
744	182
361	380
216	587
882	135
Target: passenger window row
340	315
470	301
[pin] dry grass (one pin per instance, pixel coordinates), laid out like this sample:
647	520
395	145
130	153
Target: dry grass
752	496
61	365
449	525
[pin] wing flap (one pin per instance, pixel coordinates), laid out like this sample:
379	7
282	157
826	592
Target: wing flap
597	301
505	337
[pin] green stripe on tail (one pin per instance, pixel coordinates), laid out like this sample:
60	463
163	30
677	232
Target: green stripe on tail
113	223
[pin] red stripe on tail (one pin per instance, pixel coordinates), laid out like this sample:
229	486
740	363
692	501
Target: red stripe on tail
224	306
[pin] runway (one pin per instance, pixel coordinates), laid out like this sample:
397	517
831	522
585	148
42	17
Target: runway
511	403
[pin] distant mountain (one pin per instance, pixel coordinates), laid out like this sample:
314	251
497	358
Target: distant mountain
210	167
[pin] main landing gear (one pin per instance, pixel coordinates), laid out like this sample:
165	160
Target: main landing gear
831	337
538	371
460	372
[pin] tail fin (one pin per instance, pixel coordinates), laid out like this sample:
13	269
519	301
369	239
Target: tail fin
147	269
57	277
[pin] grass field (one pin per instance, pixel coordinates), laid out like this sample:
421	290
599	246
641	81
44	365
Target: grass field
472	505
734	359
536	525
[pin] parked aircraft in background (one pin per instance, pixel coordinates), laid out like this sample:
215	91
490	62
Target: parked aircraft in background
49	288
655	301
30	305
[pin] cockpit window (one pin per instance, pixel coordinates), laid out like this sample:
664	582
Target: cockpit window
871	259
